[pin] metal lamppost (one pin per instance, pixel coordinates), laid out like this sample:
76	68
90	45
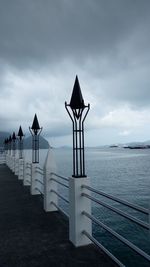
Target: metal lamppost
6	144
13	143
9	142
78	111
20	137
35	131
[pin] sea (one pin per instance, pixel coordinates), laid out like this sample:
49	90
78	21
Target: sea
124	173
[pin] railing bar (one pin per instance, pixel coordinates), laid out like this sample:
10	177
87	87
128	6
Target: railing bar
62	211
60	195
28	173
29	182
59	182
122	201
122	213
28	167
103	249
37	180
39	168
118	236
60	176
39	172
39	190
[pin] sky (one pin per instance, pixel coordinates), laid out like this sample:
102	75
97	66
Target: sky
44	44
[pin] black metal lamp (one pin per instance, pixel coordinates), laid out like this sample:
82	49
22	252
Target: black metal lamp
20	137
5	144
35	131
78	111
9	141
13	143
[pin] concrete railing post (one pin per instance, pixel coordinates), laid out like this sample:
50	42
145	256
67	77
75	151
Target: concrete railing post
16	163
34	175
12	163
21	169
27	174
49	184
77	204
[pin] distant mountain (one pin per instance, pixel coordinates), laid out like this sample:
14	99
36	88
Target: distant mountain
3	136
43	143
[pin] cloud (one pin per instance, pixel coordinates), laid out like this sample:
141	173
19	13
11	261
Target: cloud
44	44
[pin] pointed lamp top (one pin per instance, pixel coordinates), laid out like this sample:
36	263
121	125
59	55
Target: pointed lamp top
35	125
13	136
20	132
10	139
77	101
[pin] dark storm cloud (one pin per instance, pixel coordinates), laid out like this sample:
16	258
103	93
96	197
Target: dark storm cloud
50	31
45	43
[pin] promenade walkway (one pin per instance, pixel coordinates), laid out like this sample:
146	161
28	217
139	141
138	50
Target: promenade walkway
30	237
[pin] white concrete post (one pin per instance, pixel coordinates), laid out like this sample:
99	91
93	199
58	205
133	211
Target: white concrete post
17	166
34	175
27	174
49	168
21	169
16	163
13	164
78	204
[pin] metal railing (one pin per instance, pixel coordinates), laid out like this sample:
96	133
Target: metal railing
39	181
59	195
63	181
109	254
125	215
119	200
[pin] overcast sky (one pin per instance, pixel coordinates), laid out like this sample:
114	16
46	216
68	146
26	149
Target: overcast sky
45	43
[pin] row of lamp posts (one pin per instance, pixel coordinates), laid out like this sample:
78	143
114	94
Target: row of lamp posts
10	143
77	111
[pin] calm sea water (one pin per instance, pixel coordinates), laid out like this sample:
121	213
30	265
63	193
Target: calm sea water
123	173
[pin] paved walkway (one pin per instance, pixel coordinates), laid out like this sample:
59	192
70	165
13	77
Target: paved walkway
30	237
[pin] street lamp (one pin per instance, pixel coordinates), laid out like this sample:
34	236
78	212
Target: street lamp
13	143
35	132
20	137
78	111
6	144
9	142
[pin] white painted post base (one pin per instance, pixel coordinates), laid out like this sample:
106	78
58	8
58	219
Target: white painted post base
21	169
78	204
33	187
49	197
16	166
27	174
13	164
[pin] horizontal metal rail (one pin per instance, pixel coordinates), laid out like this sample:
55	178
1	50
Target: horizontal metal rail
61	210
60	176
119	237
122	201
28	167
53	179
38	171
37	180
53	191
29	182
28	173
38	168
36	188
103	249
122	213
